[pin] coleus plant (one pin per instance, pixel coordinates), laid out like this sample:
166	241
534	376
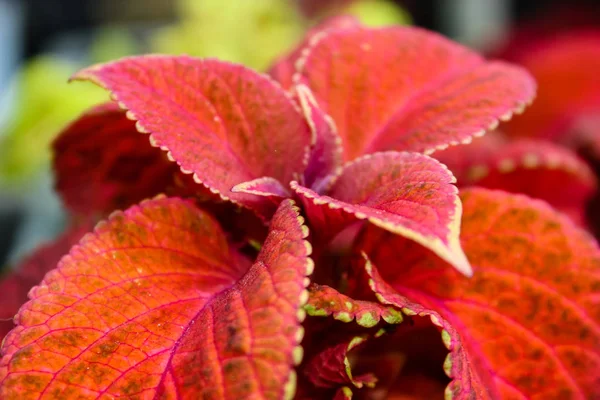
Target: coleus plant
306	245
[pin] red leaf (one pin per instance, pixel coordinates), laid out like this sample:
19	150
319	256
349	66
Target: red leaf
536	168
265	187
408	194
542	170
155	304
404	88
528	323
343	393
222	122
31	270
330	368
103	163
554	62
325	301
461	159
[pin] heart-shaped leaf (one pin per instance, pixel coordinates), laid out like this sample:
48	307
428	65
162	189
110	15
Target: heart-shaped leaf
102	163
533	303
155	304
222	122
404	88
31	270
409	194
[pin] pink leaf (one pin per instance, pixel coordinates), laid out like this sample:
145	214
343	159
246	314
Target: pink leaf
154	304
527	324
222	122
326	153
265	186
404	88
408	194
102	163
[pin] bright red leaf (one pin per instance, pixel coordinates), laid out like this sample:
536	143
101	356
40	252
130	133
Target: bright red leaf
102	163
404	88
155	304
409	194
527	324
224	123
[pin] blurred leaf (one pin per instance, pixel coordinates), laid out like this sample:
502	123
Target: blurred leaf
248	32
378	13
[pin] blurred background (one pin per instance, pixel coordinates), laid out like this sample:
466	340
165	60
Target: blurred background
42	42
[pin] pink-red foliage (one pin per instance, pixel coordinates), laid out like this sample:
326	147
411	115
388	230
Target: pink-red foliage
308	246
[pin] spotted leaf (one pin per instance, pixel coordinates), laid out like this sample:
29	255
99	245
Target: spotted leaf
326	301
155	304
532	304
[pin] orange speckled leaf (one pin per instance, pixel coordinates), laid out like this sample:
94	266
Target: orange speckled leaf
409	194
401	88
325	301
221	122
155	305
528	321
102	163
31	270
